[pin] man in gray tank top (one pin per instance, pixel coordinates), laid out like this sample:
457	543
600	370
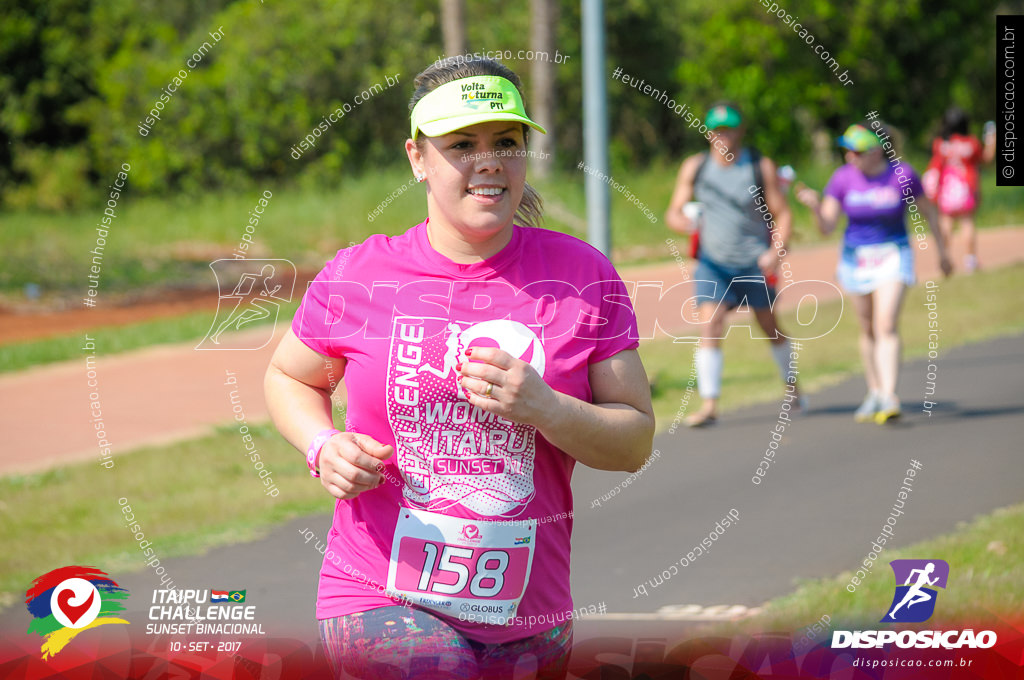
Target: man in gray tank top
745	223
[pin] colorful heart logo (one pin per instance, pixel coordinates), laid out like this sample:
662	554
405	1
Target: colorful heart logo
68	600
73	612
471	531
75	603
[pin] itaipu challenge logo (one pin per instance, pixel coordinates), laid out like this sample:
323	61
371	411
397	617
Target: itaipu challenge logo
914	601
66	601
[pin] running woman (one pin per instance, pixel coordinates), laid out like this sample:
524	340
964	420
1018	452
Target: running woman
951	179
877	263
436	565
738	251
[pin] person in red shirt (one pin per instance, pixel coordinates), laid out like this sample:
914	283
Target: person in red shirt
952	178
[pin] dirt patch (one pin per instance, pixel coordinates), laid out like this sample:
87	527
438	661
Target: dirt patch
23	326
24	322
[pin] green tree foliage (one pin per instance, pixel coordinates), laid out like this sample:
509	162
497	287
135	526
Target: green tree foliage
276	73
44	72
908	59
79	76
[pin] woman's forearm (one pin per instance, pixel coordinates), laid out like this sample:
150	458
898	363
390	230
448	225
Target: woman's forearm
298	410
601	436
931	214
825	225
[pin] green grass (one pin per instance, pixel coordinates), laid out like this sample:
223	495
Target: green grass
156	242
987	583
192	495
159	242
114	339
968	312
187	497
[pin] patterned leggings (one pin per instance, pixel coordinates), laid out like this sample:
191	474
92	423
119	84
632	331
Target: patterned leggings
405	643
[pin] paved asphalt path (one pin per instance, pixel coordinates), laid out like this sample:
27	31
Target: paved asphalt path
828	493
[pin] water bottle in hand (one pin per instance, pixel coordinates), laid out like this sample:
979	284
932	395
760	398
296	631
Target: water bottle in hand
694	211
786	175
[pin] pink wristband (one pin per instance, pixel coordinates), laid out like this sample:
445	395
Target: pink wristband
314	449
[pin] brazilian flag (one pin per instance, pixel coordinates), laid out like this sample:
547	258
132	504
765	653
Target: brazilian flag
237	596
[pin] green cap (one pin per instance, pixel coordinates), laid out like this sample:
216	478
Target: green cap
859	138
723	115
468	101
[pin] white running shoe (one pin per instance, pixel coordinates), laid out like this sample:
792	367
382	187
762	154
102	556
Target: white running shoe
888	409
868	408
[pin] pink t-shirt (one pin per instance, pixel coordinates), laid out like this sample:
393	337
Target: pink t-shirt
474	520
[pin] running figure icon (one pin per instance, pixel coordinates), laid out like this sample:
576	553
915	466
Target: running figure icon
917	582
249	292
255	309
916	595
451	355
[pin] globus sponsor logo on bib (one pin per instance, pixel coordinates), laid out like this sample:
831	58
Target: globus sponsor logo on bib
914	602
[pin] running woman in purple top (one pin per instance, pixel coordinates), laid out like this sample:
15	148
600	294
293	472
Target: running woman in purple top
877	262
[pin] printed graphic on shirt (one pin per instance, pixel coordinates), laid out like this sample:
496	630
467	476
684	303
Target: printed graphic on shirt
958	151
450	451
878	198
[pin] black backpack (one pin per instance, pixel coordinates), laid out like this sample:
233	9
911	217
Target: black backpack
755	159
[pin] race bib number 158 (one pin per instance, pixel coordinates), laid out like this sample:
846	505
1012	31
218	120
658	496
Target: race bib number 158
456	566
